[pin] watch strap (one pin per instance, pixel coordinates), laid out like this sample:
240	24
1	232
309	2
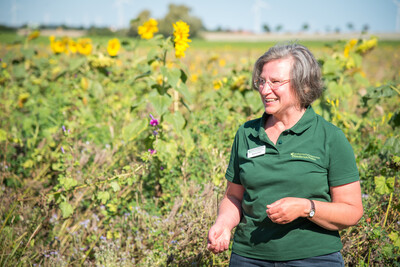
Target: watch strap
312	210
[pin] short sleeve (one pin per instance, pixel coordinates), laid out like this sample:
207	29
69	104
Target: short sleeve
342	163
232	172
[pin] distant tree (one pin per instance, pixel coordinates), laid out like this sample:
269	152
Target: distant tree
179	12
219	29
135	23
337	30
365	28
266	28
278	28
305	27
5	28
328	28
100	31
350	26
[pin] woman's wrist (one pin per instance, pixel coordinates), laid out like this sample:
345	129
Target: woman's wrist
307	208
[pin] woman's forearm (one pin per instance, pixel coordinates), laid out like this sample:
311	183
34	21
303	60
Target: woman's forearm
229	212
336	216
343	211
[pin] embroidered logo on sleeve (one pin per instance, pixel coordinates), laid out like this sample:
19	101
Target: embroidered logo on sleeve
303	156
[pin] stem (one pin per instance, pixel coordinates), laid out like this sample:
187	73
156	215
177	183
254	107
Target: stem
369	256
8	216
394	88
164	61
387	210
83	186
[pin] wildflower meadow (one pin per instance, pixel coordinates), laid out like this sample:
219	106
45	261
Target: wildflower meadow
113	151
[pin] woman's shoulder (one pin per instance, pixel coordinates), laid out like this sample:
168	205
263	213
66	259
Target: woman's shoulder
253	124
329	126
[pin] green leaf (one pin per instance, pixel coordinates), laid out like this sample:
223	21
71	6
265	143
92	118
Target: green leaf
253	101
19	71
160	103
115	186
184	77
28	164
28	53
167	151
133	130
176	120
331	66
383	185
183	89
394	120
66	209
394	236
75	63
97	90
361	80
152	54
188	142
68	183
103	196
3	135
173	75
357	59
391	146
384	91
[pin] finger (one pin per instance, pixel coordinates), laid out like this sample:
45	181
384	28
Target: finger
274	204
212	236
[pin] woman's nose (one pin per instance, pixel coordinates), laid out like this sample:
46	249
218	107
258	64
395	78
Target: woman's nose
265	89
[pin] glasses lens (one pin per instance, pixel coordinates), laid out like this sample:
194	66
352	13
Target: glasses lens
260	82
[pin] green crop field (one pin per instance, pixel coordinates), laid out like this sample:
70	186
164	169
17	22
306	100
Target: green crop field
115	155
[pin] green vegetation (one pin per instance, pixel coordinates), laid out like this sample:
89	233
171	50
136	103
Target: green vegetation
120	161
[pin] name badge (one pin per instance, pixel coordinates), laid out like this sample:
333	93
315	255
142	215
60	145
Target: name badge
254	152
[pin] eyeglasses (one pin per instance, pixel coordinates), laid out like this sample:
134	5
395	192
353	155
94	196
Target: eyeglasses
260	83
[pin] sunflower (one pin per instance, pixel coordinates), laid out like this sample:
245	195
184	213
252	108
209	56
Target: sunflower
113	47
148	29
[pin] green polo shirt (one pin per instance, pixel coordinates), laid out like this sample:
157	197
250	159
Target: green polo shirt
306	160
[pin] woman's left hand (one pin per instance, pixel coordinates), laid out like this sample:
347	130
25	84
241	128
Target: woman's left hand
288	209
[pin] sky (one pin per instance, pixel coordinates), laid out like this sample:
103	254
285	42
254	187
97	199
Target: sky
381	16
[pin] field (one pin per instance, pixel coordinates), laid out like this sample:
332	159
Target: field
116	157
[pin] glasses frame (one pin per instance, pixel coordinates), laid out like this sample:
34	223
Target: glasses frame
261	82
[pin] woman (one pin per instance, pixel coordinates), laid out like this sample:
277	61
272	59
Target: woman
292	177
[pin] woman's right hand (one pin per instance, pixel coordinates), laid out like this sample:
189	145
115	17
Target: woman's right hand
218	239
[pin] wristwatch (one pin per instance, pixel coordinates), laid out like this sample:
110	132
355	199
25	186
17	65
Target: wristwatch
312	211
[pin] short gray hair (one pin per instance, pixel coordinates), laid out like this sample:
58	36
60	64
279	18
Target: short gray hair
305	75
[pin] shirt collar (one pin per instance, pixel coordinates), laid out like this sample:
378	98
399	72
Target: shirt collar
303	124
305	121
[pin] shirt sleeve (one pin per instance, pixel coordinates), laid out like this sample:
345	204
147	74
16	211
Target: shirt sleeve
342	163
232	172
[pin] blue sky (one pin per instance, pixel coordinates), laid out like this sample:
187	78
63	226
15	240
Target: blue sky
320	15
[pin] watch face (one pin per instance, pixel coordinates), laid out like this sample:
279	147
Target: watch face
312	212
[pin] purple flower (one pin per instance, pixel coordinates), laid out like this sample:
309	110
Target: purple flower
62	150
155	132
153	121
152	151
63	128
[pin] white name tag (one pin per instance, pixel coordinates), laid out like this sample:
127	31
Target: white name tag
254	152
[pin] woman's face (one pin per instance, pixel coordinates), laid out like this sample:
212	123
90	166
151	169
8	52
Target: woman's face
280	101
